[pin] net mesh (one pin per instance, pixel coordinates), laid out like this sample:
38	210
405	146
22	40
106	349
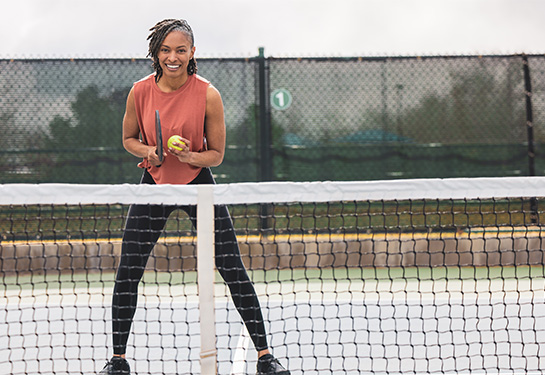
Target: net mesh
412	277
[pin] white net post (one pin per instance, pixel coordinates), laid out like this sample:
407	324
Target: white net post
205	277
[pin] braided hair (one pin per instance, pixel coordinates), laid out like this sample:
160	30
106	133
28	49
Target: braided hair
159	33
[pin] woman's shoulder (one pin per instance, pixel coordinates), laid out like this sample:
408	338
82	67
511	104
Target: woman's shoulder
201	80
143	85
146	80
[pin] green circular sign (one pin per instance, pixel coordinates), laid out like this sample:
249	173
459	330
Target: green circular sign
281	99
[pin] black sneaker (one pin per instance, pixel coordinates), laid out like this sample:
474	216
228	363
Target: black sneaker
116	366
267	364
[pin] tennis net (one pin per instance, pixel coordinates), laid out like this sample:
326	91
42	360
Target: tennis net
379	277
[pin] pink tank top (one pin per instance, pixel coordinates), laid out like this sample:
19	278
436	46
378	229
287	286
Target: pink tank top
182	113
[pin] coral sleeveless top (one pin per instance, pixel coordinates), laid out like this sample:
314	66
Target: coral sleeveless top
182	113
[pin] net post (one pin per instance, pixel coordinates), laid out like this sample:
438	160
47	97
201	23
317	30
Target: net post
205	277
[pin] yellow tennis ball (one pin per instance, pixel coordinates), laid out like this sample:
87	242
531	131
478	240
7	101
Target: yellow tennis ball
177	139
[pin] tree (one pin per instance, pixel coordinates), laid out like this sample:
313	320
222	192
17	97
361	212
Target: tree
96	122
479	108
87	147
243	142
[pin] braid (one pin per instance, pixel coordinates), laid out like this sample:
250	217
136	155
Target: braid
159	33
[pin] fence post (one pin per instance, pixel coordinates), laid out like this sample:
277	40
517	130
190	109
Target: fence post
265	160
530	130
265	135
529	116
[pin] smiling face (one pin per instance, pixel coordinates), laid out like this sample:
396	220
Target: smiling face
174	54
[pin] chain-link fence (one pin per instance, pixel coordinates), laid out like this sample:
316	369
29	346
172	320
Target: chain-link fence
289	119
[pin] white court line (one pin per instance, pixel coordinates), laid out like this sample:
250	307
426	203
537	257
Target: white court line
239	358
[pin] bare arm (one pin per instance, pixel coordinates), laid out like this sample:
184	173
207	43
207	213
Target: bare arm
214	127
131	134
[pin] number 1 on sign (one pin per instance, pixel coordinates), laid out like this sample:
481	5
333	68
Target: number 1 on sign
280	97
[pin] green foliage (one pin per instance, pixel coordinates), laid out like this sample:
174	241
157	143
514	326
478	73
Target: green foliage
96	122
15	142
7	139
88	146
247	133
479	108
241	161
471	124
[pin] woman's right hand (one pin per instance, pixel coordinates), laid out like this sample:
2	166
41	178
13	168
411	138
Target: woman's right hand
153	157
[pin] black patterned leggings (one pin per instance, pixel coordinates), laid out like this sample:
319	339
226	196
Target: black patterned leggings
144	225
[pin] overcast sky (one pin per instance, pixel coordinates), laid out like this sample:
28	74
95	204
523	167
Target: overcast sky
236	28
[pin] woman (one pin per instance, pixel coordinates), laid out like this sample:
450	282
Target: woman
191	107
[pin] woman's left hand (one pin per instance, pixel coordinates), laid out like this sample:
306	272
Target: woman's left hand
183	155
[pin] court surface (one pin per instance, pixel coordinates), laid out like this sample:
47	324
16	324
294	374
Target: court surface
337	328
